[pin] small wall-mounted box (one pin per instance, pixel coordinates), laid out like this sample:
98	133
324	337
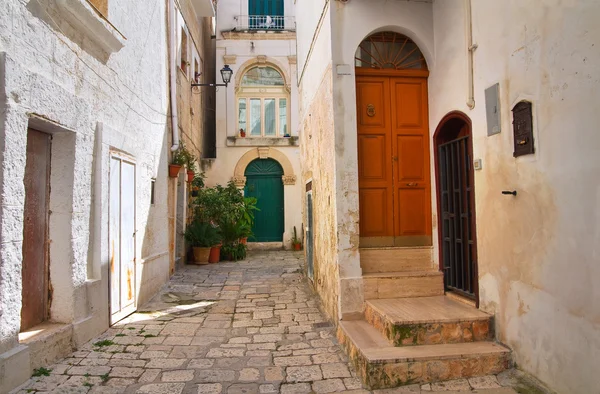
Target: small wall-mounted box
492	109
523	129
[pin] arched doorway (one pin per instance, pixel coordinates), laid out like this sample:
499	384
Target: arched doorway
393	142
456	204
264	181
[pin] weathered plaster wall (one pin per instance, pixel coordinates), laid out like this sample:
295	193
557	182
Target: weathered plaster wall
317	141
538	253
194	107
409	18
94	102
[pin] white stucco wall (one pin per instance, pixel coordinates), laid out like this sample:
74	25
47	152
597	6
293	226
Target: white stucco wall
538	258
95	103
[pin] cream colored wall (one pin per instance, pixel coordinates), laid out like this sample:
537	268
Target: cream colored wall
240	54
538	253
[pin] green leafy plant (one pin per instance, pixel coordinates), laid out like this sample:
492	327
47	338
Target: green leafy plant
219	204
249	209
234	252
105	342
295	239
41	372
179	156
201	234
88	384
104	377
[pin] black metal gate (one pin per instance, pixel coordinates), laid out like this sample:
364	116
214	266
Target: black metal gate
458	227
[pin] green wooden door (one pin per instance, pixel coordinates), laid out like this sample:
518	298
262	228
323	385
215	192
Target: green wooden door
265	7
263	181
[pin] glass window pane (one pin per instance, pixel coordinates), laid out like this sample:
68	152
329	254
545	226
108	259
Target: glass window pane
283	129
265	76
255	121
270	119
241	115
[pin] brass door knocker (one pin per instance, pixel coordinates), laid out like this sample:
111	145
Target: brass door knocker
371	110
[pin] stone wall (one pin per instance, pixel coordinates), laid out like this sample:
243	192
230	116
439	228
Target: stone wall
318	152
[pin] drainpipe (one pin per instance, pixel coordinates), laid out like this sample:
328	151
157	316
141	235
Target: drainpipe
172	76
471	48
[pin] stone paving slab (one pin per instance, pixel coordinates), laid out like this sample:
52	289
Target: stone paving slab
245	327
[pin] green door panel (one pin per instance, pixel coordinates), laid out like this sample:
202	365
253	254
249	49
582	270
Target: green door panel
263	181
265	7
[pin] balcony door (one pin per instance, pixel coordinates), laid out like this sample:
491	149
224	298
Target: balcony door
266	7
265	14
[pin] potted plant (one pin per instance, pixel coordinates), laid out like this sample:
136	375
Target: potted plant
247	218
296	243
232	233
178	160
215	254
201	236
242	133
197	184
190	163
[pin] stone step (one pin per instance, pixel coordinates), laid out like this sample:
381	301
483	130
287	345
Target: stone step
381	365
428	321
403	284
374	260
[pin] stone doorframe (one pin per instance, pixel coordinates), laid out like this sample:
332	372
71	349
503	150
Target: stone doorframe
288	178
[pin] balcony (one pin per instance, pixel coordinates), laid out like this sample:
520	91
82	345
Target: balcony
265	23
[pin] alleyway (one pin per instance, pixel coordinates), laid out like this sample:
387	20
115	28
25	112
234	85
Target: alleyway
246	327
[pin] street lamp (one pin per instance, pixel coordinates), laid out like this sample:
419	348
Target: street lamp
226	74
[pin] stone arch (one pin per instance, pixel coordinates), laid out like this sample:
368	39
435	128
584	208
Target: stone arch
289	178
262	61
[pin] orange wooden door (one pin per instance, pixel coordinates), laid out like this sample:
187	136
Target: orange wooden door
412	185
375	179
393	161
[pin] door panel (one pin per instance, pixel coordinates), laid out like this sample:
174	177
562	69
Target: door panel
376	168
122	233
34	309
411	150
264	182
115	235
393	160
411	205
373	92
309	235
409	103
374	220
374	157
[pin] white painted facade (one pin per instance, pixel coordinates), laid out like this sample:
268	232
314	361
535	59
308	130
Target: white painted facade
242	50
537	252
100	87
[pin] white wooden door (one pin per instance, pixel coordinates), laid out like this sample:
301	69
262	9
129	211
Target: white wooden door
122	238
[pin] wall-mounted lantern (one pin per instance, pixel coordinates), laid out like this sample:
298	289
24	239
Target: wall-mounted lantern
226	74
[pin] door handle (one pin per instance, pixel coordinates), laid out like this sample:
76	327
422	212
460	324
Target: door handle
411	184
394	158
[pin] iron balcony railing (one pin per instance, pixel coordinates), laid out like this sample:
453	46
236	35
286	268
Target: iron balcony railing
265	22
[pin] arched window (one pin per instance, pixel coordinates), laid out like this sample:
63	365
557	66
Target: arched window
262	103
389	50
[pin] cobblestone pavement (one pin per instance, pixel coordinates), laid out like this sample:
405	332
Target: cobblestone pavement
247	327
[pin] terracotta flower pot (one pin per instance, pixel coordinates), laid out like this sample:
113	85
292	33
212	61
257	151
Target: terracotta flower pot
201	255
190	176
297	246
174	170
215	254
244	241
